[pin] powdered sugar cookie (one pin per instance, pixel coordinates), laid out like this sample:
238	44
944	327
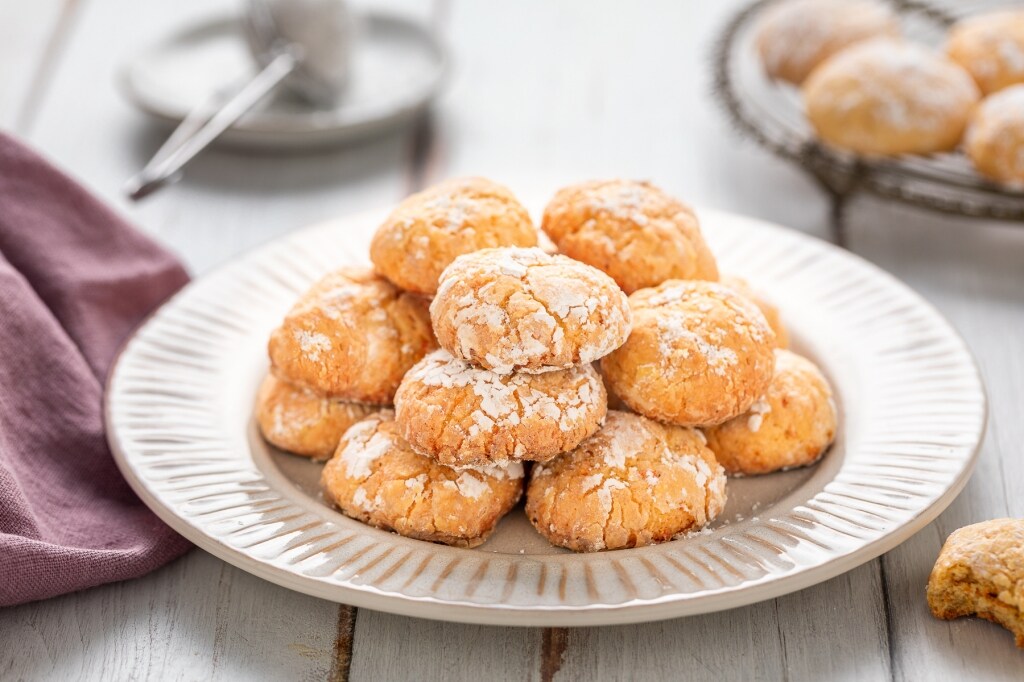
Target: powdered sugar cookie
377	478
995	138
795	36
633	483
699	354
302	422
352	336
991	47
460	414
633	231
886	97
430	229
767	308
790	426
514	309
980	572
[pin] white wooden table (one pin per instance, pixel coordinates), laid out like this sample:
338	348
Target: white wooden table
541	92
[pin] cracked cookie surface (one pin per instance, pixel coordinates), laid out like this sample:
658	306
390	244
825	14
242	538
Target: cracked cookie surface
428	230
980	571
633	231
523	310
888	97
990	45
995	137
302	422
635	482
767	308
377	478
791	425
461	414
352	336
796	36
699	354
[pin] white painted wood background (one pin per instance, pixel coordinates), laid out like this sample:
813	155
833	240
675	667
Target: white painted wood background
541	92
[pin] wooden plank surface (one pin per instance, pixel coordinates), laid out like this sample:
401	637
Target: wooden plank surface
542	93
974	272
31	35
198	618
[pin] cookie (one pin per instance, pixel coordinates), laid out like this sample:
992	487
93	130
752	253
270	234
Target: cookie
699	354
991	47
633	231
767	308
791	426
302	422
377	478
980	572
635	482
460	414
352	336
995	137
885	98
795	36
430	229
514	309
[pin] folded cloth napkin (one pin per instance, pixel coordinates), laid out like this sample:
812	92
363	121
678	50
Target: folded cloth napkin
75	279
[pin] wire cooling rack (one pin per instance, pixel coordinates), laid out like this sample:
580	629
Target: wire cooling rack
770	112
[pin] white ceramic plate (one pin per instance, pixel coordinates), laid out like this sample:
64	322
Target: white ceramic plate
397	68
912	411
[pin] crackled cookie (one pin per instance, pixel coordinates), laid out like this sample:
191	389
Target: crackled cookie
980	571
430	229
460	414
699	354
995	137
302	422
635	482
633	231
797	35
886	97
991	47
377	478
352	336
791	426
514	309
768	309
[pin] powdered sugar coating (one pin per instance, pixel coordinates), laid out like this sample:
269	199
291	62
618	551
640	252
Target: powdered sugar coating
515	309
351	336
995	138
768	309
980	571
302	422
377	478
427	231
634	231
699	354
797	35
791	425
991	47
887	97
461	414
633	483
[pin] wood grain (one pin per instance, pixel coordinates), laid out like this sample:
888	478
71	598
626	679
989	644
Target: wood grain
974	272
30	38
541	94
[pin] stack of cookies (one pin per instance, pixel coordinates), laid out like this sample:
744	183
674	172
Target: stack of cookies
868	89
488	347
337	358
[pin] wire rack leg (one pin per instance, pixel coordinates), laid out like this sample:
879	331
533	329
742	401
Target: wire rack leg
837	218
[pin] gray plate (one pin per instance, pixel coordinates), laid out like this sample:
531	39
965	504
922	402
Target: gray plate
397	68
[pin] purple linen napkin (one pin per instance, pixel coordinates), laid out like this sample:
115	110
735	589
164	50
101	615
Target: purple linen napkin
75	279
